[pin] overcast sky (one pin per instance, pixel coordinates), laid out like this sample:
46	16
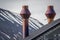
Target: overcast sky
36	7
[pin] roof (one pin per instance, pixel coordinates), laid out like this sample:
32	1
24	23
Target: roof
11	25
43	30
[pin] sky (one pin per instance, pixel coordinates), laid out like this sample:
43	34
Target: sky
36	7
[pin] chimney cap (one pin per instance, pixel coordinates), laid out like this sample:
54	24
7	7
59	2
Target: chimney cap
50	13
25	10
50	10
25	6
50	6
25	13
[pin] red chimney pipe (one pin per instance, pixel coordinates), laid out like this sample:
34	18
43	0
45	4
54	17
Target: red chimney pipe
25	14
50	13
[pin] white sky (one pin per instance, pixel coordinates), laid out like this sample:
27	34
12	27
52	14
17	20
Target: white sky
36	7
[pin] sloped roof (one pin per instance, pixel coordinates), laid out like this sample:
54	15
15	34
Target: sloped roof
11	25
43	30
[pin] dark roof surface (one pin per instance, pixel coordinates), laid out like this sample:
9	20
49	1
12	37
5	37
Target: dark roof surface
11	25
43	30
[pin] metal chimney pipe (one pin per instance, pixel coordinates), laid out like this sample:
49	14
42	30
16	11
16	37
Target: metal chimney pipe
25	14
50	14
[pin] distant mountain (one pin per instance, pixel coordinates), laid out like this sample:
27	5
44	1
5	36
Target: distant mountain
11	25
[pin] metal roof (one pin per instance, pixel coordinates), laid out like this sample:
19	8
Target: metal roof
43	30
11	25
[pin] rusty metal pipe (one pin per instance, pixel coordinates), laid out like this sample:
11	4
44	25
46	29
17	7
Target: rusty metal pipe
50	14
25	14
